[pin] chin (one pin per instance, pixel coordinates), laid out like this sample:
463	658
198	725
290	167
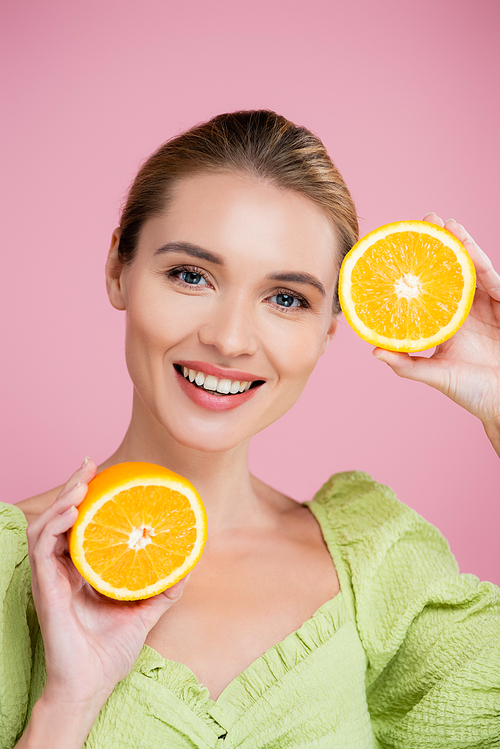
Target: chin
208	438
214	432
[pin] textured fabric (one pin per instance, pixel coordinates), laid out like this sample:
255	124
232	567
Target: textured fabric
406	655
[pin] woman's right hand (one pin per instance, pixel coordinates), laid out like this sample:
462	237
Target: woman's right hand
91	641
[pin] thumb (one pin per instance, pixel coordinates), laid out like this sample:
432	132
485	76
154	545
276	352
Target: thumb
401	363
154	607
418	368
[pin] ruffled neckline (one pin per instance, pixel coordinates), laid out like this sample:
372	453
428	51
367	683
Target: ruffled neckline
271	668
249	687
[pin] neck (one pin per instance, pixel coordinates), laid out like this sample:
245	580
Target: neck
231	495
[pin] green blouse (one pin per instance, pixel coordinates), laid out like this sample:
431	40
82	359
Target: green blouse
406	655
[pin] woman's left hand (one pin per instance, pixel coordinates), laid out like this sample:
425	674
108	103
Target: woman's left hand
466	367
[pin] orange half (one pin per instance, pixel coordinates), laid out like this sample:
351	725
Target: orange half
407	286
140	529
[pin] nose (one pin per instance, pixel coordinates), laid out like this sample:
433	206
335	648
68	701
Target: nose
231	330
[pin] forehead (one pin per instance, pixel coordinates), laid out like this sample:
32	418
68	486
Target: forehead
248	220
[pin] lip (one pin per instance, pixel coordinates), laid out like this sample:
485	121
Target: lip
219	372
206	399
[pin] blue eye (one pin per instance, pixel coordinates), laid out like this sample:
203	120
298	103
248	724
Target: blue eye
192	278
286	300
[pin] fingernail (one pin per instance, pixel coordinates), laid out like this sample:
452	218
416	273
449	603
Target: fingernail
451	219
69	511
87	458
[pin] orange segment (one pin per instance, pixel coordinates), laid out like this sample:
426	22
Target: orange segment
140	529
407	286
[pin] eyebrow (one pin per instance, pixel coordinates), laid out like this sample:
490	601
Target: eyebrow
299	278
190	249
212	257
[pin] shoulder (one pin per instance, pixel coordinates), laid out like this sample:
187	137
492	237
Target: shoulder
15	573
13	547
374	529
400	567
431	635
14	519
18	623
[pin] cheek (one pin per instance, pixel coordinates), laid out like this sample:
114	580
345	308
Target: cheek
295	356
146	329
157	320
301	349
153	326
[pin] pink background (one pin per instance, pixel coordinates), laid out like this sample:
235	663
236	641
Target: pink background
405	97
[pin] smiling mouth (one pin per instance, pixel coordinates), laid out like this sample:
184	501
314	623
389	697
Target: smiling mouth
216	385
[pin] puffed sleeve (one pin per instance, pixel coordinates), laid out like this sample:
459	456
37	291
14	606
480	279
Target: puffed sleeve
431	634
17	624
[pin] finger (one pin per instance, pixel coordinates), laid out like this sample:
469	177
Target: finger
42	553
61	547
71	493
154	607
418	368
175	591
433	218
73	497
487	277
85	473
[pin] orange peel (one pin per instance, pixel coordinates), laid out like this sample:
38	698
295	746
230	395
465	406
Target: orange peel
407	286
140	529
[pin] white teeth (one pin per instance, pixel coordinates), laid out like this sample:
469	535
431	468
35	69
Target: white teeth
224	386
210	383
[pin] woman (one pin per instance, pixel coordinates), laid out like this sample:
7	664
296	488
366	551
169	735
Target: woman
339	624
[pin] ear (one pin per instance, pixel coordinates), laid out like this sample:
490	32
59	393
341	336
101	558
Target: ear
114	274
332	329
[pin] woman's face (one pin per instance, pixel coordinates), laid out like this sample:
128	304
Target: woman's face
234	281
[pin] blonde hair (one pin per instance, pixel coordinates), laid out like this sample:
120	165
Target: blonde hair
258	142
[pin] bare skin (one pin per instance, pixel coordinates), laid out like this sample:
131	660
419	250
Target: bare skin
233	609
265	569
